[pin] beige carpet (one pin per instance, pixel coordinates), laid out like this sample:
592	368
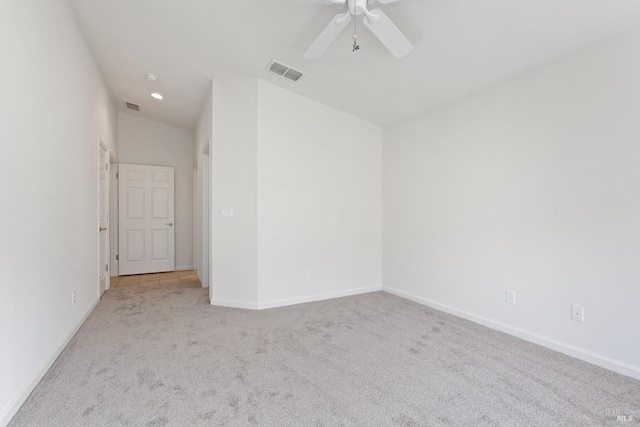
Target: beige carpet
164	357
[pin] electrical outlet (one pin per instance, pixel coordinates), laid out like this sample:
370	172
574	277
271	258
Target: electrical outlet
307	275
73	297
577	313
511	297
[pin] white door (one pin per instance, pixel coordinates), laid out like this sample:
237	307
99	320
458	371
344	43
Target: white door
146	219
103	219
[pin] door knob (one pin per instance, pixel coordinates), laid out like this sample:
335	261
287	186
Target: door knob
170	224
103	228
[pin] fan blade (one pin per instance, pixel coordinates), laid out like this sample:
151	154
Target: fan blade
319	1
330	33
325	2
389	34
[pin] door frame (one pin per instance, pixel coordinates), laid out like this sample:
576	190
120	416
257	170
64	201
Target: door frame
113	218
196	217
103	146
204	221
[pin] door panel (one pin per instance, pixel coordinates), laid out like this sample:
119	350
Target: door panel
135	202
160	204
160	177
135	245
147	236
135	175
160	244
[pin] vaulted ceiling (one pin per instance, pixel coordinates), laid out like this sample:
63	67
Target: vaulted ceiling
461	46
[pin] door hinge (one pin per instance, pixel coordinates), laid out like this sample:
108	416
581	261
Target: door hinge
117	175
107	166
117	257
107	267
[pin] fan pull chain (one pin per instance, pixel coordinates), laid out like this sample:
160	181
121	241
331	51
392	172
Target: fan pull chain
355	34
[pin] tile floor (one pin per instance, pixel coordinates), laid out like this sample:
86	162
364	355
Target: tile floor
188	277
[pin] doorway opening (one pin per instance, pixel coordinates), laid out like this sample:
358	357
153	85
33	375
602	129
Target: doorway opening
204	223
146	216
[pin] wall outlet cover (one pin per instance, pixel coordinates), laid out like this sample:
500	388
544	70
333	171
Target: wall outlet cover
577	313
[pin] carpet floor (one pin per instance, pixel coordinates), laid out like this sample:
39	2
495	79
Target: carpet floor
162	356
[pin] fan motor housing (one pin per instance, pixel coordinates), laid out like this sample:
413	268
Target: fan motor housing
357	7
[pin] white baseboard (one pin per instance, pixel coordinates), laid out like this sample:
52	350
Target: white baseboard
575	352
234	304
184	267
18	400
317	297
293	301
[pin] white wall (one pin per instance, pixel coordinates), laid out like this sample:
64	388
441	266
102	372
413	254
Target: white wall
234	185
204	127
319	199
532	185
304	181
147	142
54	110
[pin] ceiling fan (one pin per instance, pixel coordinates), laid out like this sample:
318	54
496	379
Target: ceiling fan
379	24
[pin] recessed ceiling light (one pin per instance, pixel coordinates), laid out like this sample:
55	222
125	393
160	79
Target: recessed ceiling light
157	95
152	77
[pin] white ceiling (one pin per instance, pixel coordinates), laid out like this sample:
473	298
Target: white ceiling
460	46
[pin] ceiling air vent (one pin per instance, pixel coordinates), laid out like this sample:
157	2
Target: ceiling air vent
131	106
285	71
